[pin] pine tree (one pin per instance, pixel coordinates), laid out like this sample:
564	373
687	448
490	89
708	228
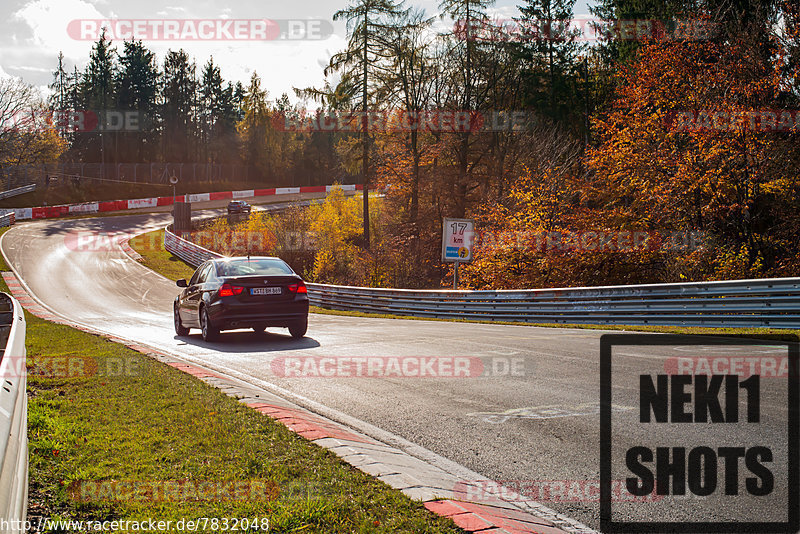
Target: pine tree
367	23
210	108
549	51
252	128
178	107
59	100
137	84
98	95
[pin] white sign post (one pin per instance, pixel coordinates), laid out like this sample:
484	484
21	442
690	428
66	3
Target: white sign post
173	180
457	239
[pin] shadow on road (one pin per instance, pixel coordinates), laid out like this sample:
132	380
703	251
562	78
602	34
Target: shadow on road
107	224
247	341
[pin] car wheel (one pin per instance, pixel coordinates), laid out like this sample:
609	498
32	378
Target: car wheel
259	328
299	328
209	332
179	328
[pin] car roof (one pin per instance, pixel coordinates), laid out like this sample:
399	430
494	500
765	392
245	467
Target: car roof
247	258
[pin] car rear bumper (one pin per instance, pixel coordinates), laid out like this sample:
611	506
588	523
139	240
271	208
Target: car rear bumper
227	315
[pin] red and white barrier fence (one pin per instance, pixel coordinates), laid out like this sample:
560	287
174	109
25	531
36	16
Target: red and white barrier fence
49	212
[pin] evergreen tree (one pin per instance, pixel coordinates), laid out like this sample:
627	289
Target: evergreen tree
211	96
178	107
59	100
549	51
137	84
98	95
218	116
253	126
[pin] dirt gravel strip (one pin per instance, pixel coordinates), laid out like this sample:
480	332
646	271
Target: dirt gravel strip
418	479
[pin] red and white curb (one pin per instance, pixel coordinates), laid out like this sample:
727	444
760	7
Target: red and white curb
65	210
418	479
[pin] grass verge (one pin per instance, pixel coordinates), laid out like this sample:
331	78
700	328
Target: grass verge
174	268
151	247
116	435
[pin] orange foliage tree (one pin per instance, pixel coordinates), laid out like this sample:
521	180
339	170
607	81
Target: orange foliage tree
699	137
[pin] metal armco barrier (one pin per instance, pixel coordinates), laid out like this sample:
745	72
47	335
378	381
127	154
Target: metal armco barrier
17	191
7	219
772	302
13	416
186	250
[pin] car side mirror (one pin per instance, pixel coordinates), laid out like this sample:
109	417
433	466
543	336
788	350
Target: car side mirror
182	283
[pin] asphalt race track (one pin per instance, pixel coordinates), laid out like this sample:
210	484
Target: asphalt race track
537	428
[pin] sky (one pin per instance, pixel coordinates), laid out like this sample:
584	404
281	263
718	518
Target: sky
35	31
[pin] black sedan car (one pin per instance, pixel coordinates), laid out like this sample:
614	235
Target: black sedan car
232	293
238	206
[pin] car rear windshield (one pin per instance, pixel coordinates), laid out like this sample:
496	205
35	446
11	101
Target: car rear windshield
253	267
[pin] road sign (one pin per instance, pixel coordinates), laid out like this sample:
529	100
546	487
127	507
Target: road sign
173	179
457	239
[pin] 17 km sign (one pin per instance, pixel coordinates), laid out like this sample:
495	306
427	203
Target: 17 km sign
457	240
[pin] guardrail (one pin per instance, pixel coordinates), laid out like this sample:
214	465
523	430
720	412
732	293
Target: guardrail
17	191
13	416
773	302
186	250
7	219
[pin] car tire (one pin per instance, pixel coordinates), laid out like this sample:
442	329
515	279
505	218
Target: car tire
259	329
180	330
209	332
299	328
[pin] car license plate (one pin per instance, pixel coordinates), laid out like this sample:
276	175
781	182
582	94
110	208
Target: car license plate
265	291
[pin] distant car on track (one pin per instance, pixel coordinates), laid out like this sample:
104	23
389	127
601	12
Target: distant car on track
238	206
231	293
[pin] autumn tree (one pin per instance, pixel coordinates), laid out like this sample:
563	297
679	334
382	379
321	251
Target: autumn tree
693	141
367	22
467	15
27	135
406	86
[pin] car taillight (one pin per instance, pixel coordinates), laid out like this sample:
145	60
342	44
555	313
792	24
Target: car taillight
228	290
298	288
